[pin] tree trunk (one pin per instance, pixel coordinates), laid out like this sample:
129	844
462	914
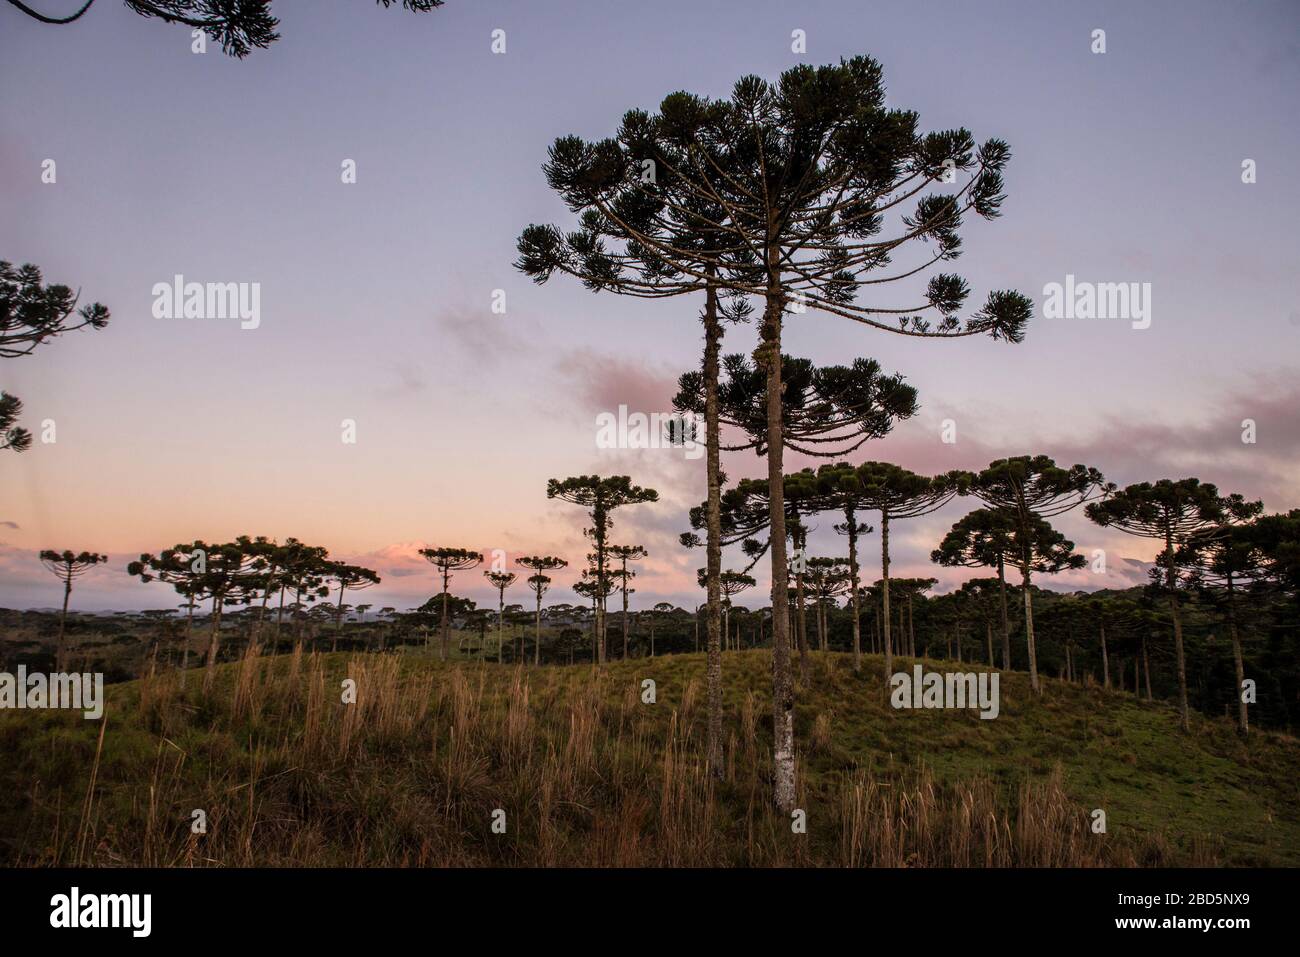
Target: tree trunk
1105	659
214	643
851	517
783	783
1146	667
988	634
537	631
1006	622
1171	582
445	636
63	618
1243	722
1029	628
911	629
884	594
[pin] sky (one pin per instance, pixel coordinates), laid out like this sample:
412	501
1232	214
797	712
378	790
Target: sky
376	296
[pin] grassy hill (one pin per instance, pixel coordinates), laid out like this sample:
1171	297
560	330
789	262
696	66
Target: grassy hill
587	773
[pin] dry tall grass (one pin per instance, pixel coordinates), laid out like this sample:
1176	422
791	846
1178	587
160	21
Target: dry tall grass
416	770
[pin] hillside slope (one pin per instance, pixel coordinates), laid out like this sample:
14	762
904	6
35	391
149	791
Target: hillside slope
478	764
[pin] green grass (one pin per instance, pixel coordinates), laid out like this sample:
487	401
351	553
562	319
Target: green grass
1204	791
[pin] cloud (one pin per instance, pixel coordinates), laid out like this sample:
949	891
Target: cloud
13	525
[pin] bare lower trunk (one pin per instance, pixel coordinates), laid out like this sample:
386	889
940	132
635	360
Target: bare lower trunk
1243	722
713	534
445	625
537	632
988	634
1105	660
1029	629
1171	582
214	644
884	595
1006	621
63	618
1146	668
783	783
853	576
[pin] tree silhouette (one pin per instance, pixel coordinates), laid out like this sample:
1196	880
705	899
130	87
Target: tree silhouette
897	493
32	313
624	554
600	496
1173	512
68	566
985	537
540	581
828	578
1026	487
239	25
839	488
799	176
732	583
448	560
500	581
347	576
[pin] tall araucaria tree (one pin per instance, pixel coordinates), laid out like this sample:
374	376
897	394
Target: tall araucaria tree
539	581
610	253
624	554
600	496
500	581
984	538
828	578
800	177
448	560
1028	487
348	577
1226	560
1172	512
898	493
68	566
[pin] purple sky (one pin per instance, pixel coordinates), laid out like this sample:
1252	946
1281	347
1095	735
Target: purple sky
376	296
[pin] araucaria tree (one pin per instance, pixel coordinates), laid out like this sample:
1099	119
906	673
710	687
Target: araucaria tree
1224	561
1028	487
347	577
1172	512
600	496
448	560
539	581
68	566
984	538
624	554
500	581
801	177
897	493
